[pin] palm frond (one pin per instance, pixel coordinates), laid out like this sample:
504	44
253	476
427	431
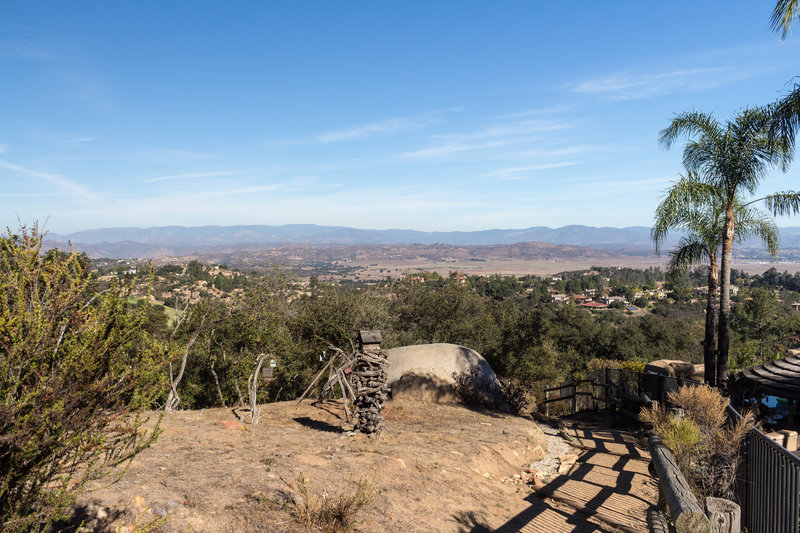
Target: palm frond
784	16
689	124
688	252
692	206
751	222
783	203
786	117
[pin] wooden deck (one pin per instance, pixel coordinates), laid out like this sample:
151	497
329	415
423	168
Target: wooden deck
609	489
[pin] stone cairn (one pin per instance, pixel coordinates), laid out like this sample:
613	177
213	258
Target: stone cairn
369	384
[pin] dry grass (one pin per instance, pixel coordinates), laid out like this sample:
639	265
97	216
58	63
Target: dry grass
705	441
429	465
319	511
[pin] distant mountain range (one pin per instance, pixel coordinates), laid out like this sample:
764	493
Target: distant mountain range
181	240
340	235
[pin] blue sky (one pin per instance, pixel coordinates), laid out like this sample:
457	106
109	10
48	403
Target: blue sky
417	115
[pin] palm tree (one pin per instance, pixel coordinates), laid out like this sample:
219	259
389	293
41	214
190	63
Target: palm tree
698	209
733	157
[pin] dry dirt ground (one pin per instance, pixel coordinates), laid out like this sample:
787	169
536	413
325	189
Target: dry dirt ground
436	468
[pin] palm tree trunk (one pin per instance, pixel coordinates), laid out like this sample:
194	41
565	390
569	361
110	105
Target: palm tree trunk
725	298
709	346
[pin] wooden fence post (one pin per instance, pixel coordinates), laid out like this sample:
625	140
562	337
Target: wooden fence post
574	389
686	513
725	516
547	403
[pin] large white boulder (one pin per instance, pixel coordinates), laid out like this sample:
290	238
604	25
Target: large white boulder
426	385
440	358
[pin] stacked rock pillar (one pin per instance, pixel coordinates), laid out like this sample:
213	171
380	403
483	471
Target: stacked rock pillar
369	385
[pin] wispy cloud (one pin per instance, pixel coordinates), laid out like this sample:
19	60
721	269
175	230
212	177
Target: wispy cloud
64	184
83	139
520	173
558	152
487	138
177	153
384	127
535	112
631	85
457	147
195	175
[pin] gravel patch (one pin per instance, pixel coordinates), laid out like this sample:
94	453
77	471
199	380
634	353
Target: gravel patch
557	446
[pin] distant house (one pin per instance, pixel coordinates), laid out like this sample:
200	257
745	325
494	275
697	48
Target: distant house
700	291
460	279
560	298
593	305
590	292
658	293
611	299
703	291
582	299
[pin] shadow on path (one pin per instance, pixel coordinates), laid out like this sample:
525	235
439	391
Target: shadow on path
608	489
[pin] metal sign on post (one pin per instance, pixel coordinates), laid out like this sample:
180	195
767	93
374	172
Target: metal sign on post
268	372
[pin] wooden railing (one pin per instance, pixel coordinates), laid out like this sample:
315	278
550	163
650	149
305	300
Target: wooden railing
675	493
768	486
569	391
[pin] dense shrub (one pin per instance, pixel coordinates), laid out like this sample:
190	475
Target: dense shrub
705	441
76	368
477	392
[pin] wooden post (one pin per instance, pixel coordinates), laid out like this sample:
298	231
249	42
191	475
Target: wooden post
574	389
547	403
686	513
725	516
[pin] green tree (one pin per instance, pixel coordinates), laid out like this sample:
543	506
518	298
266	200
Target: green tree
733	157
757	318
196	271
698	210
450	313
76	370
